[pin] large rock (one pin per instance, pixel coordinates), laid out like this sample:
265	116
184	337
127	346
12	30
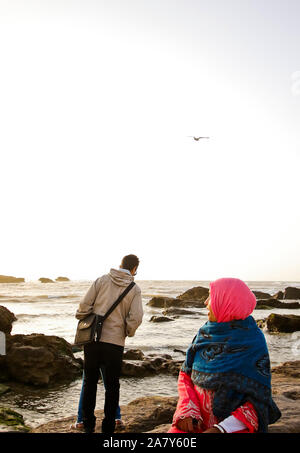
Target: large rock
283	323
291	293
264	304
198	293
62	279
167	302
162	302
39	360
6	320
9	279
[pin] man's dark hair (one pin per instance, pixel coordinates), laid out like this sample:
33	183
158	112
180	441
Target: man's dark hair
129	262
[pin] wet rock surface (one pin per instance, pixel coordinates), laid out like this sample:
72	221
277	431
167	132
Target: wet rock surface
151	364
39	360
283	323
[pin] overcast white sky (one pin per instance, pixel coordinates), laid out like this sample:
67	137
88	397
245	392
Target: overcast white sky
97	99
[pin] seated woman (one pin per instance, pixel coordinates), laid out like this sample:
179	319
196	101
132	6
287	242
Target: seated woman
225	382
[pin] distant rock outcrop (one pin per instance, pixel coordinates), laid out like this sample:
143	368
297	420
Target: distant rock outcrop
62	279
9	279
45	280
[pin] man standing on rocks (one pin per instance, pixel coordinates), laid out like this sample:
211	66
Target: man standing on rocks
107	354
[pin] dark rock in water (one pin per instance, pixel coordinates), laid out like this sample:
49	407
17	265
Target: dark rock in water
45	280
261	295
291	293
278	295
40	360
178	311
161	302
9	279
198	293
283	323
6	320
160	319
133	354
167	302
62	279
266	304
194	297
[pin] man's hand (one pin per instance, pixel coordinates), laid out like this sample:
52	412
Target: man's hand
186	425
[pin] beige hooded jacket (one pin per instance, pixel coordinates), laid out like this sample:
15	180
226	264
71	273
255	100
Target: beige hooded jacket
125	318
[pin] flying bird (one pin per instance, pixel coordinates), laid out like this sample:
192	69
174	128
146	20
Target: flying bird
196	138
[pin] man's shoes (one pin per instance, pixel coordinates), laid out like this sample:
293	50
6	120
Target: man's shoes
78	426
119	423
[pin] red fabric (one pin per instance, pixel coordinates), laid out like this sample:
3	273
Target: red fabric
231	299
197	402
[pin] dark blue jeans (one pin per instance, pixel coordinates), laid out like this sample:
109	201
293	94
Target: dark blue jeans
108	358
79	413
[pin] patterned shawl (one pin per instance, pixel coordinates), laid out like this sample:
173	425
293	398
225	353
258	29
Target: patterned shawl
232	359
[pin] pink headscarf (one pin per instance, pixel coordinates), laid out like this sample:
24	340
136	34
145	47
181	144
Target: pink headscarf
231	299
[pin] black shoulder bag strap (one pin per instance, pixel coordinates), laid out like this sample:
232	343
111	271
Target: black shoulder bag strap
101	319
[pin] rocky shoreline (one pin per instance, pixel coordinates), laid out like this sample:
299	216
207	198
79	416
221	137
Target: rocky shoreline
154	414
41	360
